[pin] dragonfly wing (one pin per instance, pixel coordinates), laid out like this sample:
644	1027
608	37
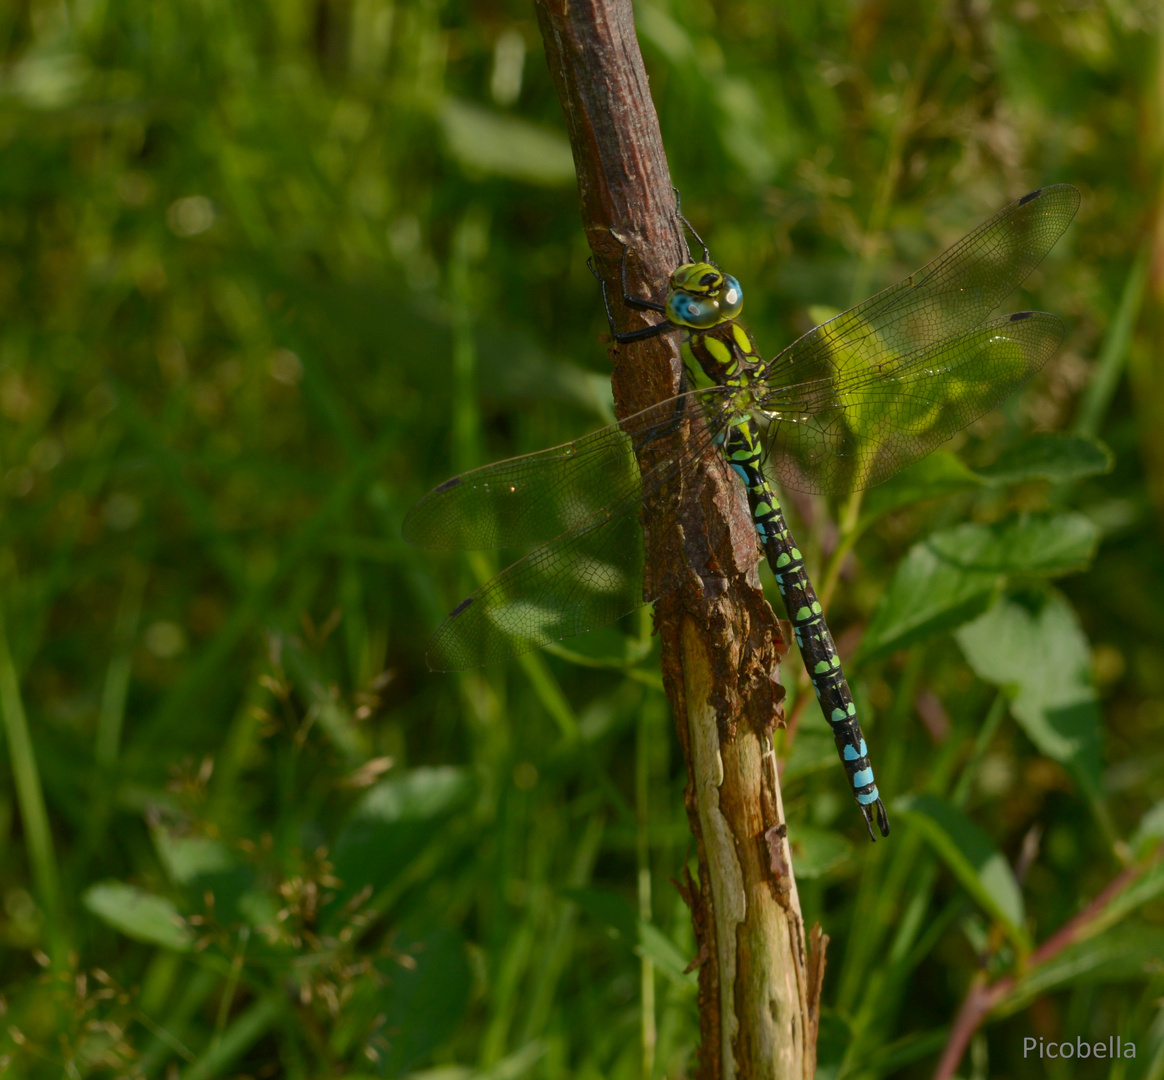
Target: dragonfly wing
837	436
532	499
594	570
586	578
943	299
525	500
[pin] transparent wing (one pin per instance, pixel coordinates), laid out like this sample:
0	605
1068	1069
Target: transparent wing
586	578
826	385
534	498
587	495
839	437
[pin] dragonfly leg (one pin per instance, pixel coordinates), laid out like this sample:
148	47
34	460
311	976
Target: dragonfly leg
624	336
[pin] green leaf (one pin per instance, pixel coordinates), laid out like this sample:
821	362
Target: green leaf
1150	831
671	38
1033	649
501	145
138	914
203	865
1125	953
610	909
936	475
817	852
1049	456
613	911
953	576
427	981
833	1040
972	857
393	822
665	955
187	858
821	313
930	594
811	752
1040	545
417	795
1144	890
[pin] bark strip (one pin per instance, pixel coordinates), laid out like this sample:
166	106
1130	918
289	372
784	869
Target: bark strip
758	991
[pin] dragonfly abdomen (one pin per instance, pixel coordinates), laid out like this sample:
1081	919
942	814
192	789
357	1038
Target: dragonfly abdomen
819	651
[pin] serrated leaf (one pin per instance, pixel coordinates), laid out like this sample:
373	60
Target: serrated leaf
972	857
1049	456
1035	651
1040	546
929	594
953	576
138	914
936	475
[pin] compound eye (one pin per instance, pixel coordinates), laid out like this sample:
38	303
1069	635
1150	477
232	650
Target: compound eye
731	299
686	310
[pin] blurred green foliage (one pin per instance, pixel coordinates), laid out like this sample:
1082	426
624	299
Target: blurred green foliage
270	271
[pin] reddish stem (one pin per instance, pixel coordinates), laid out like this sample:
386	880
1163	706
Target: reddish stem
982	998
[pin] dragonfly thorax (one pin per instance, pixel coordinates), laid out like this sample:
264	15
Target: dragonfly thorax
702	296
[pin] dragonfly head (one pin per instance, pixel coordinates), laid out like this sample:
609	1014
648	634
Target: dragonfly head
703	296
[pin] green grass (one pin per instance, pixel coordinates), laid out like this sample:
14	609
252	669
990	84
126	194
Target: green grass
270	272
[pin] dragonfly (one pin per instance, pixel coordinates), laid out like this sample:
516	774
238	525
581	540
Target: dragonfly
843	407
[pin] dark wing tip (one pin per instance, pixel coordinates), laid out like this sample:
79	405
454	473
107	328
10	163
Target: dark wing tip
421	524
1066	194
1057	193
440	656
